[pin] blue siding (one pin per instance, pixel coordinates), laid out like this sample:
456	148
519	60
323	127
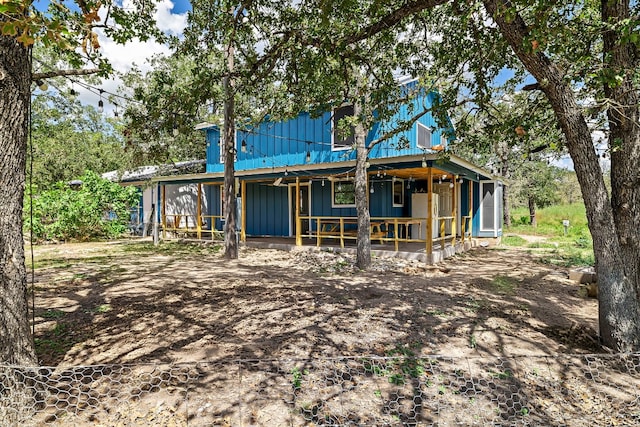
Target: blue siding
267	210
283	144
476	209
213	150
212	193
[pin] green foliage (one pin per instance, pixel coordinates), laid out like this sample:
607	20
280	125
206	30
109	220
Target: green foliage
550	220
155	133
99	209
297	377
574	249
68	139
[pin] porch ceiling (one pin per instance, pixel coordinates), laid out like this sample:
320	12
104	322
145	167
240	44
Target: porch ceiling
413	173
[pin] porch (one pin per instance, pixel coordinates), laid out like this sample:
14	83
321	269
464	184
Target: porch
415	207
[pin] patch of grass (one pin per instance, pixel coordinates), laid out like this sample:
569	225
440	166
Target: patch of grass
503	285
103	308
48	263
52	314
475	305
439	313
513	240
502	375
172	248
568	256
542	245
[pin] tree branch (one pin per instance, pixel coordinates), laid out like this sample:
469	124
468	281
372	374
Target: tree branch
60	73
532	86
393	18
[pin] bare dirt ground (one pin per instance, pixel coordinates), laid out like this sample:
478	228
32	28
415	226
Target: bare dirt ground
177	335
102	303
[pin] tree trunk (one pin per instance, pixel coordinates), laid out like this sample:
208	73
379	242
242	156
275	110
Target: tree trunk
532	212
16	341
506	174
363	251
229	152
506	214
619	305
623	58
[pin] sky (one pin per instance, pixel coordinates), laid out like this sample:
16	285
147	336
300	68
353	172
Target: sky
171	17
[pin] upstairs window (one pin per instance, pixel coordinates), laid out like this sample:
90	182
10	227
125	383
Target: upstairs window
344	194
424	136
341	140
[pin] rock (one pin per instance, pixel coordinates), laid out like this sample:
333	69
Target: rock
583	275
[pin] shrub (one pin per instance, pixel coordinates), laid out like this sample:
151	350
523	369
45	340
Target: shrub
98	209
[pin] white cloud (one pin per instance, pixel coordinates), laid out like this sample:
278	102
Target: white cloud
169	22
135	52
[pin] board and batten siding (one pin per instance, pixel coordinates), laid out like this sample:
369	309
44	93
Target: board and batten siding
267	210
276	144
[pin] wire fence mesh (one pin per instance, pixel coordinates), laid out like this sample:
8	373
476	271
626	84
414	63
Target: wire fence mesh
559	390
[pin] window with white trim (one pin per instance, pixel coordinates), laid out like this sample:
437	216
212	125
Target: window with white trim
343	194
341	139
398	193
424	136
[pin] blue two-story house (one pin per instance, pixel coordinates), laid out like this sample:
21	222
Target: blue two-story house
295	179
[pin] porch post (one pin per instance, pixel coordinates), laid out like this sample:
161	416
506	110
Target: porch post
297	218
470	189
243	211
454	209
164	211
429	236
199	212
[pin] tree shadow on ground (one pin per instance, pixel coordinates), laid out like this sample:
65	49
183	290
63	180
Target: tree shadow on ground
250	316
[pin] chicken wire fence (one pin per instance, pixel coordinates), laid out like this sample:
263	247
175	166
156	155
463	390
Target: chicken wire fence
561	390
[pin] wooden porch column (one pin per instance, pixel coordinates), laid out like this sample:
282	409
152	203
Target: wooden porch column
454	209
243	211
163	201
199	212
429	236
297	218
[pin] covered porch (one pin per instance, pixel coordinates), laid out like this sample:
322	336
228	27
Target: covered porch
417	205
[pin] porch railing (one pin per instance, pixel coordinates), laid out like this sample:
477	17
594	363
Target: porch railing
386	229
394	230
190	226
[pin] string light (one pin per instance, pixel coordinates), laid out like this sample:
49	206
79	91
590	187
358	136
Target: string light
308	157
42	84
101	102
372	190
243	146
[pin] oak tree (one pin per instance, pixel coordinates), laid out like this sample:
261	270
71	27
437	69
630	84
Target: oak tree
64	29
